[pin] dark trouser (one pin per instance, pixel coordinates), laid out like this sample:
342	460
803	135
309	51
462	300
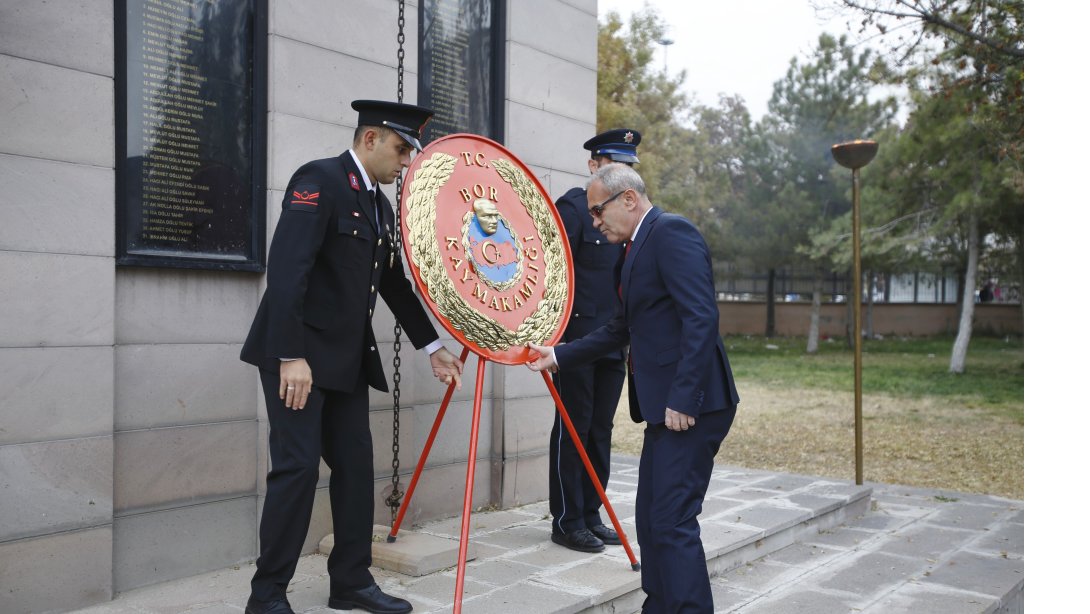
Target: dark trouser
590	394
334	426
675	469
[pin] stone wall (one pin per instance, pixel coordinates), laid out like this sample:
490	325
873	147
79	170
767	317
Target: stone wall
57	325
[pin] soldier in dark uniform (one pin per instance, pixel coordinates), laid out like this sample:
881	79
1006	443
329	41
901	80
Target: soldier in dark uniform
331	257
590	392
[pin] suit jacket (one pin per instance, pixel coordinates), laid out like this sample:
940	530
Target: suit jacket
670	320
328	262
594	259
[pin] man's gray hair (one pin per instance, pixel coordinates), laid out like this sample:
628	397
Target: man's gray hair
618	178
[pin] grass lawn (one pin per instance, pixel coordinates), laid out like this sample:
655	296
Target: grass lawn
922	426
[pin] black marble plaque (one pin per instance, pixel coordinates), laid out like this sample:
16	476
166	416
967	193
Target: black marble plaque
461	67
191	134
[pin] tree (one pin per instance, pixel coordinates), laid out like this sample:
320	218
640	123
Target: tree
890	237
690	167
708	175
797	188
959	190
987	27
631	93
964	61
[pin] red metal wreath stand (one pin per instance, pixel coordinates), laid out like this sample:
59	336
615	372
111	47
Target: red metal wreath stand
463	543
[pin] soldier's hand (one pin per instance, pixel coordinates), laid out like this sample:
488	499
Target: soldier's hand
295	383
446	367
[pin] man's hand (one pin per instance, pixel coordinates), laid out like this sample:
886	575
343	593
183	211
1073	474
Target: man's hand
545	362
677	421
446	367
295	383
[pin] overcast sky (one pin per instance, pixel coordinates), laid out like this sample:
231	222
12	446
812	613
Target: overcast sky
733	46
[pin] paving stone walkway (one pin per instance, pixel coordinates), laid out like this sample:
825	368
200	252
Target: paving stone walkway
776	543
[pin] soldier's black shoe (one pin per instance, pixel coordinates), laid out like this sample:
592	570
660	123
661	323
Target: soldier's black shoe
581	540
371	599
608	536
276	606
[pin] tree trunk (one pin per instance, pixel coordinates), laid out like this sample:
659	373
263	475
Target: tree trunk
770	305
815	312
965	324
961	286
849	310
868	328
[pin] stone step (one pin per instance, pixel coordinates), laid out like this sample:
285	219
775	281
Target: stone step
776	544
747	515
411	553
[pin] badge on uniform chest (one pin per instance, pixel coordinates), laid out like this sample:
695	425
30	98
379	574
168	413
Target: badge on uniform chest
383	238
392	250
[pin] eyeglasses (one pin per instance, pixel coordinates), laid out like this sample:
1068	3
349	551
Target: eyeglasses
596	210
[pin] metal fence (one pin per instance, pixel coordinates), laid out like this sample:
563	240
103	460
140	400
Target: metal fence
797	284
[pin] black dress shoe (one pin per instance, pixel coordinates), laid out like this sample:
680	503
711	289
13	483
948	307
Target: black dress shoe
371	599
580	539
608	536
276	606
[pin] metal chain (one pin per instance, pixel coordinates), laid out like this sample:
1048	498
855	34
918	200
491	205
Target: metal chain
394	500
400	52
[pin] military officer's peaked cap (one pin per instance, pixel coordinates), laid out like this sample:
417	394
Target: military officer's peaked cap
407	120
618	145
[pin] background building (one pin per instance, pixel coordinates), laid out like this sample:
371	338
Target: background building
132	439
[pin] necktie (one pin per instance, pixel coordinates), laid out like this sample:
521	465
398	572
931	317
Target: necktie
378	210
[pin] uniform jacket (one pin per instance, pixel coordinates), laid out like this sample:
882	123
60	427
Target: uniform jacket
594	259
670	321
328	263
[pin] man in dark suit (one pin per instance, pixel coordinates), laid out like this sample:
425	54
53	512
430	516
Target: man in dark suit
681	377
589	392
312	341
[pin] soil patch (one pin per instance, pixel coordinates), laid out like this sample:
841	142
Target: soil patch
913	442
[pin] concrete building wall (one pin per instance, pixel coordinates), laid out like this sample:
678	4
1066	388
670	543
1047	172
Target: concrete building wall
133	440
552	76
57	313
185	426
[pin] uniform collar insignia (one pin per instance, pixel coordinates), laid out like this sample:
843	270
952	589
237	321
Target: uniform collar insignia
354	181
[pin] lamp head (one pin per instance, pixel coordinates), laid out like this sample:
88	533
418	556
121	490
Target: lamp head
855	154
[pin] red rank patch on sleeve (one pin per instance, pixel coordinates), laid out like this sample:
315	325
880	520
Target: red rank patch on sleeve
303	197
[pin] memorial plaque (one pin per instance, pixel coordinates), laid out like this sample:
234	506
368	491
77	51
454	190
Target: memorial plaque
461	67
191	137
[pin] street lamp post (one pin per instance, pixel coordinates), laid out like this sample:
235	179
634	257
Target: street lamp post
855	155
665	42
